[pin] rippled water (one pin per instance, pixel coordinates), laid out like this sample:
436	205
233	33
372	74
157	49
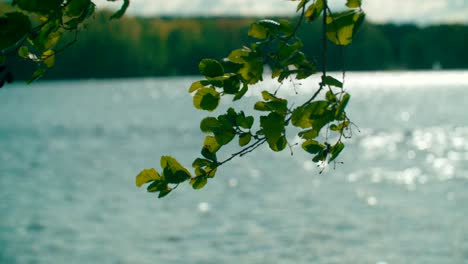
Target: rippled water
69	152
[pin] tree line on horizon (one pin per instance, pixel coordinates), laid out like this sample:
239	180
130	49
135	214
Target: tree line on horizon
168	46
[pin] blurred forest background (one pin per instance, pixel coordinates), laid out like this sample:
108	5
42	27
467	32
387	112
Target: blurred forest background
136	47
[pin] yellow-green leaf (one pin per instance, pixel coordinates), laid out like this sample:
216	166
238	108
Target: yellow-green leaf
244	139
195	86
258	31
48	57
211	144
23	52
146	175
353	3
206	99
198	182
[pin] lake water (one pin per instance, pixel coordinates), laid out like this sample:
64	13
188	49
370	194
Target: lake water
69	151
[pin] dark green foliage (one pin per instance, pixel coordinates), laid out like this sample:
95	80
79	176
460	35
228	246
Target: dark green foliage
36	31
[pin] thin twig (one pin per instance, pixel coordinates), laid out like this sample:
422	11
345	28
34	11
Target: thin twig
245	150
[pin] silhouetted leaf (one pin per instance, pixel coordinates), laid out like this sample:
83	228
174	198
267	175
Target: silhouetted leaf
273	127
312	146
211	68
241	93
172	170
308	134
336	150
209	124
122	9
164	192
328	80
157	186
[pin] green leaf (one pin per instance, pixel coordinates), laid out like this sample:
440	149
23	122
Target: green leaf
36	75
198	182
206	99
122	9
211	68
314	10
201	163
252	69
303	116
209	155
285	27
273	127
328	80
341	108
164	192
23	52
244	139
331	97
238	56
312	146
258	31
341	26
280	106
231	85
76	7
224	135
353	3
241	93
308	134
145	176
209	124
157	186
172	170
2	59
336	150
267	96
211	144
244	122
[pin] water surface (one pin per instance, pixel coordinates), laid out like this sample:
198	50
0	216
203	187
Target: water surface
69	151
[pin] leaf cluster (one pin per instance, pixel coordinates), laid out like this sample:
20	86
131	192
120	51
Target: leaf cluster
275	46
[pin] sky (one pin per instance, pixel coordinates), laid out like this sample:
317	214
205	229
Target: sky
378	11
